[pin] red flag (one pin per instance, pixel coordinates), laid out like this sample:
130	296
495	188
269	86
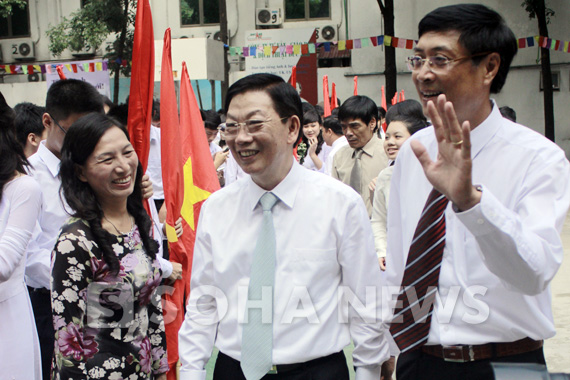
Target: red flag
355	85
334	102
172	181
60	72
142	83
395	98
402	97
383	101
294	77
326	98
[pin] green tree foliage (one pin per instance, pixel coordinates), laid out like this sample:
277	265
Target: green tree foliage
6	6
90	26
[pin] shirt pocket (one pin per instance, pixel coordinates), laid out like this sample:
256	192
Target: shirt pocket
316	269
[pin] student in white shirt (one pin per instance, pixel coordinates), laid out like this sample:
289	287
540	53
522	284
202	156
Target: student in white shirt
332	134
317	151
323	242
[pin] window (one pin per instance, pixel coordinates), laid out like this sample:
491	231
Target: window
17	24
307	9
199	12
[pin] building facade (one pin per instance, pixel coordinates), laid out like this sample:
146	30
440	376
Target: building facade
335	20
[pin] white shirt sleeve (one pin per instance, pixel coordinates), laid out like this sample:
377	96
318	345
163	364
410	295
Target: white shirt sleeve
369	335
527	238
198	331
24	199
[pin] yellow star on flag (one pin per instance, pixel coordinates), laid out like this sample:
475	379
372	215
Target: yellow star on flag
192	195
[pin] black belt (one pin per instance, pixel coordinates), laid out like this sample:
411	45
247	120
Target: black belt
282	368
465	353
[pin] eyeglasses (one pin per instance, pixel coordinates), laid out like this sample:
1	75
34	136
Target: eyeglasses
438	63
60	127
229	130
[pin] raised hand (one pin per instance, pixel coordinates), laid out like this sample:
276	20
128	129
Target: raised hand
450	173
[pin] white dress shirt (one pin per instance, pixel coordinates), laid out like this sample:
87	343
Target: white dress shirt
323	242
233	171
45	170
500	255
214	148
379	217
335	147
154	168
323	155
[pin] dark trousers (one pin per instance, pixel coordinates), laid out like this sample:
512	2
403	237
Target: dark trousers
41	304
417	365
332	367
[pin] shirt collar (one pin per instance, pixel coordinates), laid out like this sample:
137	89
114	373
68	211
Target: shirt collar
485	131
339	141
286	190
370	145
50	159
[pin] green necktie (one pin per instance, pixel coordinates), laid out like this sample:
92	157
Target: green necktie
257	336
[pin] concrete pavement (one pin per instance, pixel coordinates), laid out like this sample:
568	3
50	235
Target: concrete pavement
557	349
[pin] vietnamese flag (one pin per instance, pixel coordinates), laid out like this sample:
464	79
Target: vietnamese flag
355	85
326	98
334	102
142	83
173	183
402	97
294	77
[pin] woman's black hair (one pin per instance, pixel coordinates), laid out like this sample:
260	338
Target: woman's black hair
410	113
79	143
311	115
13	159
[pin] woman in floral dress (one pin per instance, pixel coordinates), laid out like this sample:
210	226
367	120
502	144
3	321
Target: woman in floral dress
106	306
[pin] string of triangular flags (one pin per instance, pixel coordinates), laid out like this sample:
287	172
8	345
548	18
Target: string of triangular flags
282	50
50	68
278	50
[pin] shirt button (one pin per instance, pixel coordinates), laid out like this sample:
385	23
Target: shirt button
480	221
446	329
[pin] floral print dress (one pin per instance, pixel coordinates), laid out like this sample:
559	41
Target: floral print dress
106	326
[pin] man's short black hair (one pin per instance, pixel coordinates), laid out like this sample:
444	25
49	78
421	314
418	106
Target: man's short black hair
72	96
508	113
28	120
211	119
286	100
358	107
333	124
481	30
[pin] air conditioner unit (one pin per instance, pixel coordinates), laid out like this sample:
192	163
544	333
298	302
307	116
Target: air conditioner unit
87	51
23	51
268	16
326	34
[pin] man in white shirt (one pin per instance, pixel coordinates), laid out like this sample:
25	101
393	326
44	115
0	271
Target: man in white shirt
332	134
154	167
322	244
507	189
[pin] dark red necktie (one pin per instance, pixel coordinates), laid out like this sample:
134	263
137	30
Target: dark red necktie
411	323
